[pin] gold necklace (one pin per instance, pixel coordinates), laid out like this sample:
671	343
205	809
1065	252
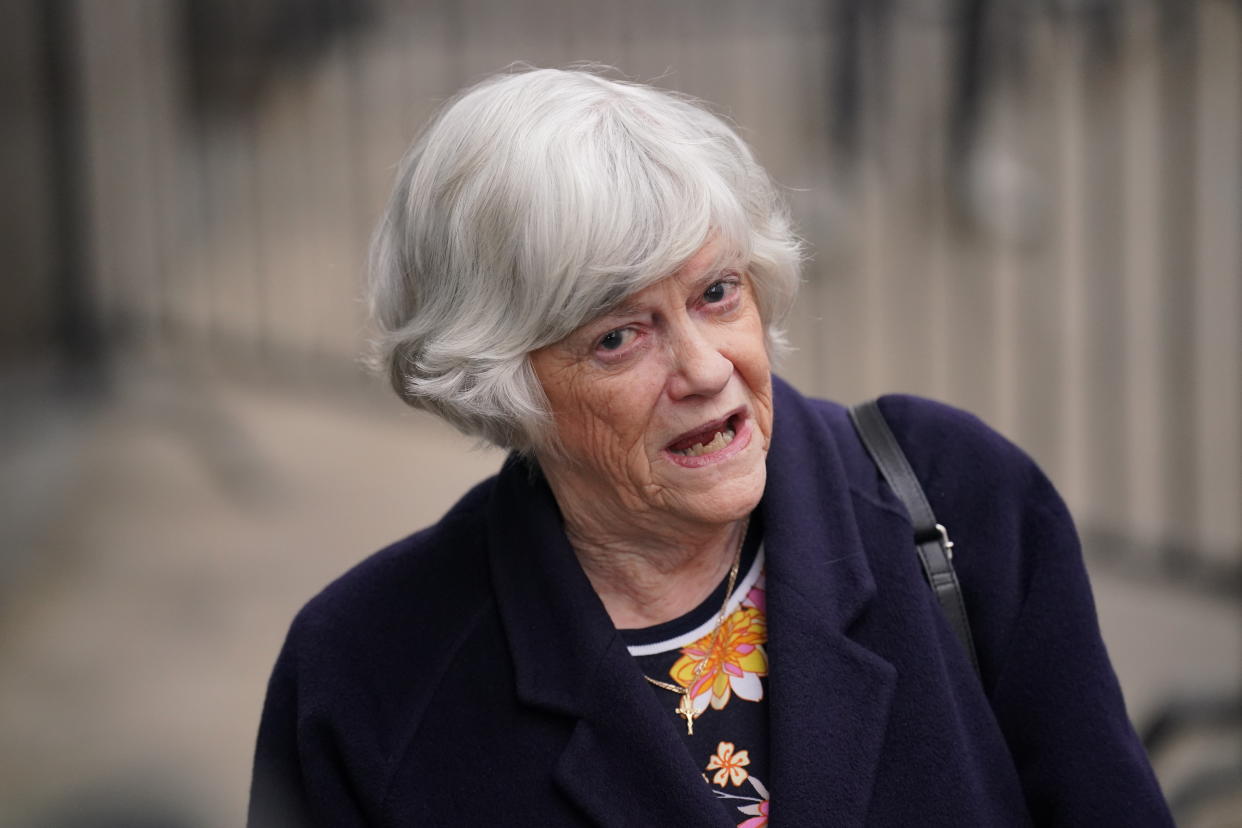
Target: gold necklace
685	705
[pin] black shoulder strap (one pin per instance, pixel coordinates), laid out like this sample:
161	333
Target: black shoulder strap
930	538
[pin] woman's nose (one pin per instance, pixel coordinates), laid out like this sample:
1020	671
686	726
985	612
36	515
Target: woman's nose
699	368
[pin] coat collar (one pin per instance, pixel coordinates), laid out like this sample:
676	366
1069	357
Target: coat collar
829	694
626	761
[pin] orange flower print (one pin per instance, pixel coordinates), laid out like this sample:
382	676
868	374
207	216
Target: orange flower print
729	766
731	662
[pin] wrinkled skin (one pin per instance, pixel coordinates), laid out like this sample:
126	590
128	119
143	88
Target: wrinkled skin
686	351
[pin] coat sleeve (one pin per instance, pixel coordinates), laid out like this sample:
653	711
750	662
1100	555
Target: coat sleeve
277	789
1054	691
1044	666
299	778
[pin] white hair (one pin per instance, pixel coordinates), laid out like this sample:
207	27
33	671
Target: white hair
533	202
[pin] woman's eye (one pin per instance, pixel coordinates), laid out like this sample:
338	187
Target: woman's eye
717	292
613	340
619	341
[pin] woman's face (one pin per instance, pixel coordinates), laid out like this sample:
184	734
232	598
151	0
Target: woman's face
663	406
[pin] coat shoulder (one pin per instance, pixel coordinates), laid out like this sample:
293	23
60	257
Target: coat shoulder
378	639
979	482
957	457
1004	516
405	577
945	441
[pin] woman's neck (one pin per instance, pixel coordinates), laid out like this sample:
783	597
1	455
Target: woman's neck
647	578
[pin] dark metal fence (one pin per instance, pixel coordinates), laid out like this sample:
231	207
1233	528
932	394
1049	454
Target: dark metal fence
1029	209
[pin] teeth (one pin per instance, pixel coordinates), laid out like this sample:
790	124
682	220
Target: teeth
722	439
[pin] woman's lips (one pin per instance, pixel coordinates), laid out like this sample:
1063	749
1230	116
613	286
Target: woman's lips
702	435
738	423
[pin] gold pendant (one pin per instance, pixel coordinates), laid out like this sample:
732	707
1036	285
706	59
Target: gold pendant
685	709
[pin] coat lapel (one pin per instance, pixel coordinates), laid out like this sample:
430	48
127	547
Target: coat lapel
626	762
829	694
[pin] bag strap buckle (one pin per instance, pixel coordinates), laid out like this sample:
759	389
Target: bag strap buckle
944	540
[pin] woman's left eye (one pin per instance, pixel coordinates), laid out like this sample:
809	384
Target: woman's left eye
719	291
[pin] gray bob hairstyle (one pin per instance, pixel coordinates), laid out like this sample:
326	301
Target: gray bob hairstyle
533	202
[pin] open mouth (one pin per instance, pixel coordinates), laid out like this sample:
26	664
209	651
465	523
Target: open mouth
708	439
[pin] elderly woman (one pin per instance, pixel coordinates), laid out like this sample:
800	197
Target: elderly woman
688	597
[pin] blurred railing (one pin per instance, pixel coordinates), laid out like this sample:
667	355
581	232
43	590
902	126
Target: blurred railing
1031	210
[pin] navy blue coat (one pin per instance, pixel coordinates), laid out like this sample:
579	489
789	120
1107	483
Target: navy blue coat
469	675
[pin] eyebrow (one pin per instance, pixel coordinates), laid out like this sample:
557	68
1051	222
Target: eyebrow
628	307
624	308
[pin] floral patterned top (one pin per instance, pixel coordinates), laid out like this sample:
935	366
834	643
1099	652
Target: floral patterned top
726	682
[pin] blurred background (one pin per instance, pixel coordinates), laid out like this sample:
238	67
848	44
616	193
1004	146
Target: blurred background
1030	209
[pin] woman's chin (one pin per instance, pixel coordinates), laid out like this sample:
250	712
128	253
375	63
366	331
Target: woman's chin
720	492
